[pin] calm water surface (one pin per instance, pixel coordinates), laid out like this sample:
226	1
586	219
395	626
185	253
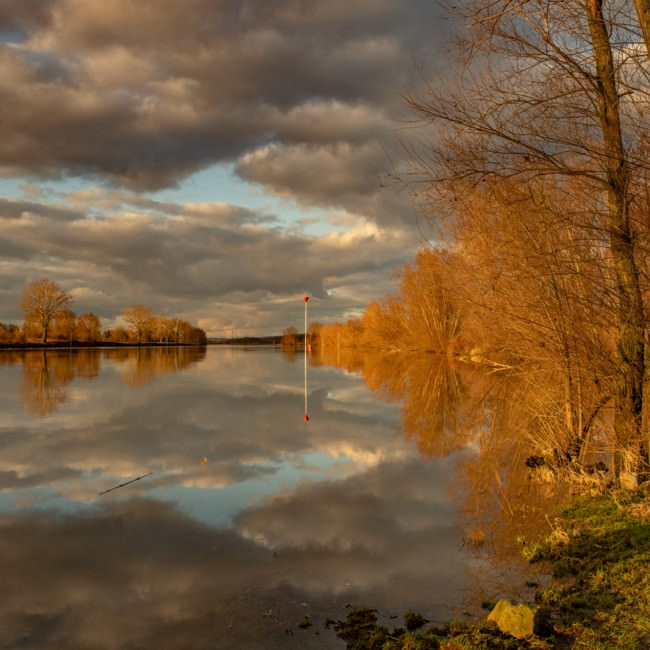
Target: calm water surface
246	520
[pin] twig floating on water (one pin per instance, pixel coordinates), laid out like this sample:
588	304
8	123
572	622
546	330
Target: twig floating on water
133	480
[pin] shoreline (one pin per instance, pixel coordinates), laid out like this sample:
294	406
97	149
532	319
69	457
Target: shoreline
59	345
599	556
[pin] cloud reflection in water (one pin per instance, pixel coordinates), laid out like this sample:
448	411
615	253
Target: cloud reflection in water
285	518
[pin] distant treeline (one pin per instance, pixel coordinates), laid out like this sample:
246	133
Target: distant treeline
49	320
247	340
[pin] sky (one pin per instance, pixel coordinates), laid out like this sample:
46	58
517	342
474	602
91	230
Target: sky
215	160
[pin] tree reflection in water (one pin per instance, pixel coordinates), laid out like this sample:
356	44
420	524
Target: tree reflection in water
483	417
280	514
45	377
447	407
144	364
47	373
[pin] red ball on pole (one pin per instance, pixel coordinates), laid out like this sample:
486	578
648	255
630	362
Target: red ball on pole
305	298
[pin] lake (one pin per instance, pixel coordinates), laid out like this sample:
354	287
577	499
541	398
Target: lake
179	498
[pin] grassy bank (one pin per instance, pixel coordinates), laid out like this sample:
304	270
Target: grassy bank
599	554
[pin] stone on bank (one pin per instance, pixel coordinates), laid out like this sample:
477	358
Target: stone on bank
515	619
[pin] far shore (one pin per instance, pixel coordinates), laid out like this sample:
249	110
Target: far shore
97	344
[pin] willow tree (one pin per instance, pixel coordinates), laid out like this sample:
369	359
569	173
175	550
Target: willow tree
551	94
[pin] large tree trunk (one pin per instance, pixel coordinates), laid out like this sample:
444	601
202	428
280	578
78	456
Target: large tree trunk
537	102
628	384
643	13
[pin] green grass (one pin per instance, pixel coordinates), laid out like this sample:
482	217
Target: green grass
604	561
600	554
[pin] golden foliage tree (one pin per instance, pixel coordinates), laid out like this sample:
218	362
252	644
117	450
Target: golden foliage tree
64	325
88	328
140	318
535	170
42	301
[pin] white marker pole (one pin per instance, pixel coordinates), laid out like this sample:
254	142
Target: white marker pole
305	299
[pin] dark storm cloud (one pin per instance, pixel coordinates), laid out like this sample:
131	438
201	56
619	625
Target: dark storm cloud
146	93
339	175
19	17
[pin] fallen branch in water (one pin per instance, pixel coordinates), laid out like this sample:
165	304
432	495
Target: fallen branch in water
133	480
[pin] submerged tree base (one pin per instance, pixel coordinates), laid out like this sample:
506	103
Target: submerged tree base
601	551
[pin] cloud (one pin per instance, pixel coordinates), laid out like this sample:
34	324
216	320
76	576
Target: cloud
19	17
144	94
27	209
337	175
303	102
186	260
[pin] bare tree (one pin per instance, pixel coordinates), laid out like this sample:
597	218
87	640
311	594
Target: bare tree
65	323
42	301
550	94
164	329
140	318
643	14
88	328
